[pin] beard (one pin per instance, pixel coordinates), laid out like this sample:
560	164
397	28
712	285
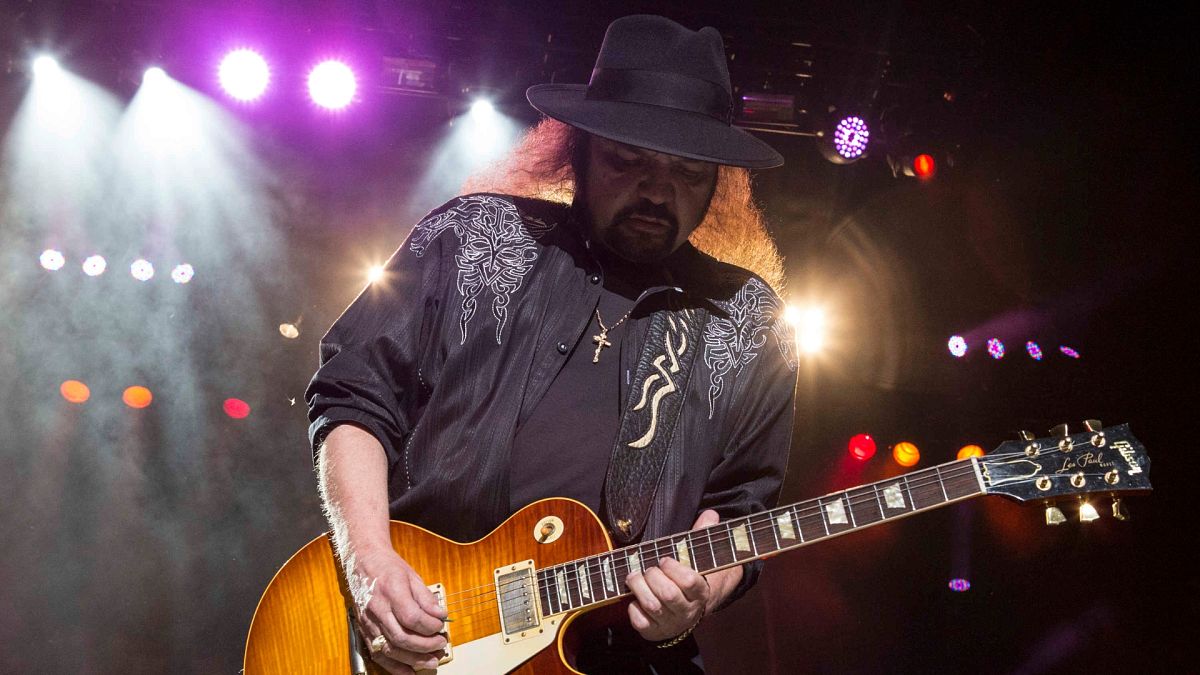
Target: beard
639	233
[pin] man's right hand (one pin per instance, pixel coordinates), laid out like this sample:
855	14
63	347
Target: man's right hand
399	607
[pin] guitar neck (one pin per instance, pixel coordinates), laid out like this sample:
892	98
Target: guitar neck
599	578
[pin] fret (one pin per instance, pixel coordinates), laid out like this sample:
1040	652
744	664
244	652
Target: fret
560	588
865	508
893	502
964	482
712	553
834	513
606	568
762	533
773	521
585	585
574	595
812	521
742	543
544	593
784	526
925	493
938	472
682	554
722	545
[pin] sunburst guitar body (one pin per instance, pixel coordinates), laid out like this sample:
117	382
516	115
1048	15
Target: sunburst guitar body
302	622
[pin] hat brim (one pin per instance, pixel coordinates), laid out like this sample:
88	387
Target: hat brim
675	132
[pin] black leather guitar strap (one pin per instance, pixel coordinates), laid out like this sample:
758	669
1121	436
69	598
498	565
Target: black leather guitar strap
651	412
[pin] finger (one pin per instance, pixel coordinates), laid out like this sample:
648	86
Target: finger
666	591
411	659
689	581
707	518
408	610
392	665
638	618
399	638
427	600
643	595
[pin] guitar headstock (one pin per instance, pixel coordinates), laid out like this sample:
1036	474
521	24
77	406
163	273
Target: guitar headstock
1094	461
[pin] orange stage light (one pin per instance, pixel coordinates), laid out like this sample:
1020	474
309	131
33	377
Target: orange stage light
906	454
970	451
137	397
75	391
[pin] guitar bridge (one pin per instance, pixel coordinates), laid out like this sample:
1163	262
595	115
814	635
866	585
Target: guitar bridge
516	595
439	592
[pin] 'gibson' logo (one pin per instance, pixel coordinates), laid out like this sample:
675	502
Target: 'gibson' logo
1127	454
1083	461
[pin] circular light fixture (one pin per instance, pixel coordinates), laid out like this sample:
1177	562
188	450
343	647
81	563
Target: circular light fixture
957	346
142	270
182	273
94	265
244	74
52	259
332	85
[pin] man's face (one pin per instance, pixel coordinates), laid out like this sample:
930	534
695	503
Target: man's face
644	204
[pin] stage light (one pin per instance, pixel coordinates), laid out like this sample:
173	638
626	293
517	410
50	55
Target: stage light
75	391
862	447
1069	352
996	348
957	346
332	85
906	454
137	397
375	273
153	76
52	260
810	327
236	408
289	331
959	585
924	167
970	451
182	273
482	109
850	137
244	74
142	270
46	66
95	265
1035	352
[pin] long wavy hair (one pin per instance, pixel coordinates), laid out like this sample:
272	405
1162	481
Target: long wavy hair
543	165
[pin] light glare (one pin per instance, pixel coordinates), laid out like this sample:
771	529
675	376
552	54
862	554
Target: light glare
95	265
375	273
142	269
52	260
46	66
958	346
154	75
182	273
332	85
244	74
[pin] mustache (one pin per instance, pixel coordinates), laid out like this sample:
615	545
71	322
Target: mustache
647	209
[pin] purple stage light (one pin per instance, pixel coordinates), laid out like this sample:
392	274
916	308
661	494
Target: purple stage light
959	585
1035	352
95	265
957	345
996	348
1069	352
244	74
851	136
142	269
332	85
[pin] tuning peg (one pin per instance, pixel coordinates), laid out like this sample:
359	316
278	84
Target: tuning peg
1054	515
1118	509
1025	435
1060	430
1087	513
1093	425
1064	437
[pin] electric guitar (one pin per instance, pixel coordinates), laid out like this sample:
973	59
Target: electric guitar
515	596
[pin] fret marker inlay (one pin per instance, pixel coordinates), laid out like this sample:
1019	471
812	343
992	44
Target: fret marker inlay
585	588
784	523
836	513
741	540
635	563
560	579
607	571
681	552
893	497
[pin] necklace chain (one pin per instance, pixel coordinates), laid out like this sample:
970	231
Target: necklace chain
601	338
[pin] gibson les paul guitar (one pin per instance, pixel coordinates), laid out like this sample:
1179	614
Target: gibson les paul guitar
514	595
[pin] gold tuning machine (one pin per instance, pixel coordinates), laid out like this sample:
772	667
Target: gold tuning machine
1064	437
1087	513
1118	509
1025	436
1060	430
1093	425
1054	515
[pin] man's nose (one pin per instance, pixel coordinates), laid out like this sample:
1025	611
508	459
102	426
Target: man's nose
656	185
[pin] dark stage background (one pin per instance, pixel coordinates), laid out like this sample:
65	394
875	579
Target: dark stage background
140	540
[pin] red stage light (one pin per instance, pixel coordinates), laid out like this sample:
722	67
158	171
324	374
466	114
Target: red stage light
236	408
906	454
75	391
924	166
137	397
862	447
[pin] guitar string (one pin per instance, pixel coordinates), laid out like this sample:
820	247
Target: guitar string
757	524
756	521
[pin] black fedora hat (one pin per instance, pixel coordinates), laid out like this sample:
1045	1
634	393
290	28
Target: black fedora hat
660	86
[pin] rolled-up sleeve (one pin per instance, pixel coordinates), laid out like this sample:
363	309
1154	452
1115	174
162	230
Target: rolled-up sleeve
369	371
749	475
